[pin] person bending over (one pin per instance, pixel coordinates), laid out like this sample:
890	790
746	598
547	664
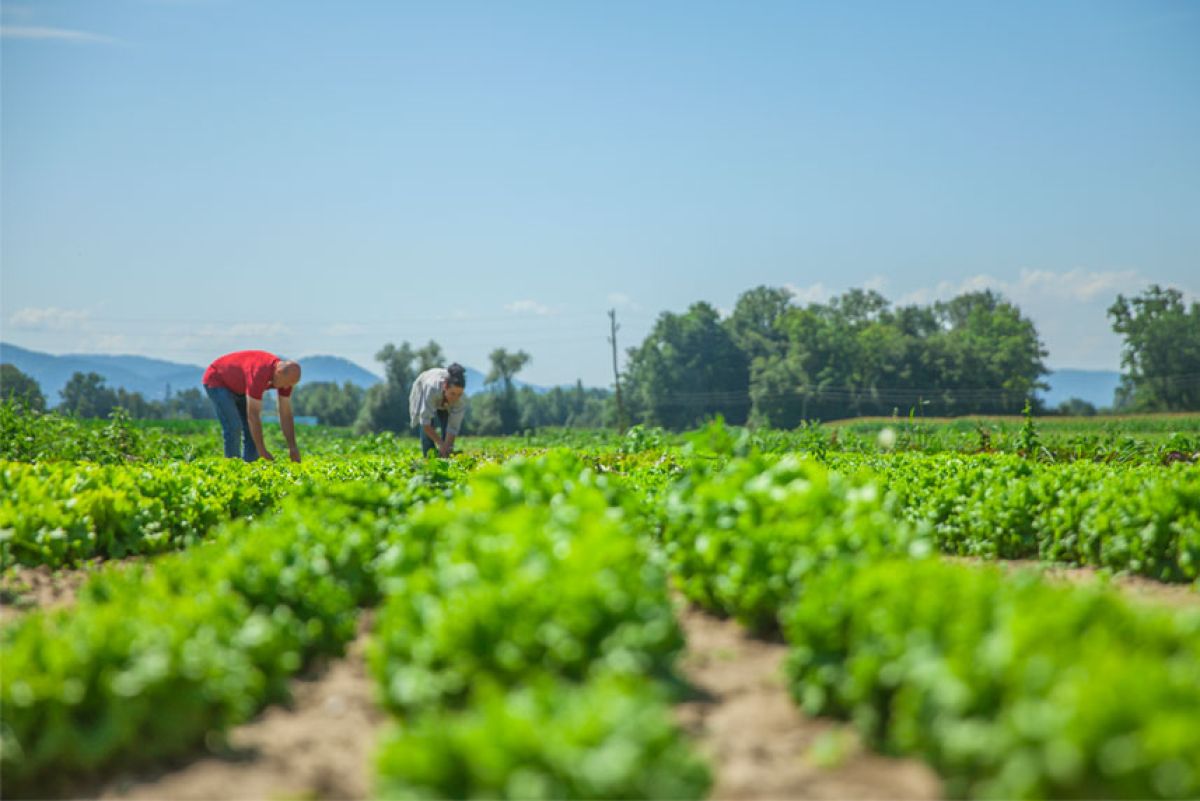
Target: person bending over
235	384
438	394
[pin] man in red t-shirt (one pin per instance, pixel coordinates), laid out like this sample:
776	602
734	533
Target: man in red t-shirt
235	383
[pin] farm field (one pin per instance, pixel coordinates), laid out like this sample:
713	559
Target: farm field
901	608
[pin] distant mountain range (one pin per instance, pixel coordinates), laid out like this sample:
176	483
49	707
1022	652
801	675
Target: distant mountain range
155	378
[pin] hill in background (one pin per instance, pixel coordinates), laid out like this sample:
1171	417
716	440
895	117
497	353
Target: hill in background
153	377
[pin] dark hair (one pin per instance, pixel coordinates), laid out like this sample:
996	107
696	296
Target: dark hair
458	375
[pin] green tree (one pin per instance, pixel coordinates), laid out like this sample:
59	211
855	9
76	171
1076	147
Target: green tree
1076	407
137	406
21	387
85	395
385	407
190	404
331	404
1161	354
688	369
754	322
990	354
429	357
505	367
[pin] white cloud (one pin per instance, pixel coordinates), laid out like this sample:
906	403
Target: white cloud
1079	285
814	293
877	283
49	318
528	307
1074	286
44	33
1069	308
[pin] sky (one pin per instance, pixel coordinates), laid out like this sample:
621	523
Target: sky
184	178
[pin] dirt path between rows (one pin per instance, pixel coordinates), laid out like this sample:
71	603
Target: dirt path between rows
758	742
26	588
1133	588
320	746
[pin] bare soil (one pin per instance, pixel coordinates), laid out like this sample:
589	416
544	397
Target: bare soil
26	588
1135	588
758	742
319	746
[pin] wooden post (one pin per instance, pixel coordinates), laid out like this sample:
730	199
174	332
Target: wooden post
612	316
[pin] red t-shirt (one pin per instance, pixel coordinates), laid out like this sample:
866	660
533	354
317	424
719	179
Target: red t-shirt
246	372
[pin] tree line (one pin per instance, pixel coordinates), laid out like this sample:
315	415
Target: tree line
770	362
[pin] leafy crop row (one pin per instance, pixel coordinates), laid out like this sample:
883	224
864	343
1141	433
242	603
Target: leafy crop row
1011	688
58	514
524	649
1140	519
156	655
538	676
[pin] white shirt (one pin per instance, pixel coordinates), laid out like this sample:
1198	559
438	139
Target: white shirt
427	397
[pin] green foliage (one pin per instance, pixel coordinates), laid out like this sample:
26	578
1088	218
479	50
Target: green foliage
151	660
688	369
329	403
743	539
610	738
1140	519
57	515
1162	350
531	573
1011	688
85	395
17	386
857	355
1030	445
505	404
525	638
385	407
1076	407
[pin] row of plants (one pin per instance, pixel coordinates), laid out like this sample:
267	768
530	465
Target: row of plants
1138	519
527	641
1009	687
27	435
58	514
526	646
155	657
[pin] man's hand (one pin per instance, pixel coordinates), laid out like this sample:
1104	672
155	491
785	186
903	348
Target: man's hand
294	454
267	456
444	450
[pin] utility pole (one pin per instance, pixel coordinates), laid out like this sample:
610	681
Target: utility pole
612	316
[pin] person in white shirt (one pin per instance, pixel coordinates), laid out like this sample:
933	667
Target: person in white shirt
438	394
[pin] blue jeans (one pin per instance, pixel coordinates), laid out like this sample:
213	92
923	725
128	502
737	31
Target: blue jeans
440	418
231	412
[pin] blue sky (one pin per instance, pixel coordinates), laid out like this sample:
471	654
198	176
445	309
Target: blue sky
182	178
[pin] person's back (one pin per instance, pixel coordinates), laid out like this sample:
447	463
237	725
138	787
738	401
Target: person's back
438	394
236	383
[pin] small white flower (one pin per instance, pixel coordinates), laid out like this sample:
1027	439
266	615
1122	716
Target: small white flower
887	438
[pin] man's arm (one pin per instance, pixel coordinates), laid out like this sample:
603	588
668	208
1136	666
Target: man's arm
288	424
448	446
254	416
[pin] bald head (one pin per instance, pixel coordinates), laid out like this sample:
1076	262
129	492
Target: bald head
287	374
